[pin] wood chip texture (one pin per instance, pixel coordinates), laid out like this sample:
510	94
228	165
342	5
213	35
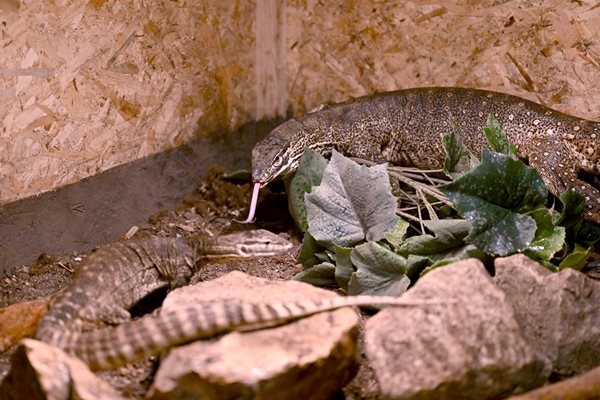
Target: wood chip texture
85	86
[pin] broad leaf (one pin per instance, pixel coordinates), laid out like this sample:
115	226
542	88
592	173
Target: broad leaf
497	139
447	234
322	275
308	175
343	266
577	258
573	205
571	215
352	203
395	237
307	255
379	271
447	244
493	197
458	158
549	238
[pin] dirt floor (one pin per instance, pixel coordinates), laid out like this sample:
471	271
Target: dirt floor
210	208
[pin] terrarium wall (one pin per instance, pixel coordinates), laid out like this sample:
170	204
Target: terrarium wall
85	86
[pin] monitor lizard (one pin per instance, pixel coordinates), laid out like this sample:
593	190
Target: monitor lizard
117	276
404	128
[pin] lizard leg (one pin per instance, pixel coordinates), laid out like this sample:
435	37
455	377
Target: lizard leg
553	161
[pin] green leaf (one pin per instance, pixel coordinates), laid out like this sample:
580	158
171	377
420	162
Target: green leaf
395	237
352	203
379	271
573	205
308	175
571	215
497	139
343	266
447	234
447	244
458	157
493	197
577	258
549	238
322	275
415	264
306	255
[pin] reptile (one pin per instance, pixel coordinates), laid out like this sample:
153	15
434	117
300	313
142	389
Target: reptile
404	128
116	346
114	278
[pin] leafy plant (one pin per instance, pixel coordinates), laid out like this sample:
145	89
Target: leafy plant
309	174
354	239
352	203
495	197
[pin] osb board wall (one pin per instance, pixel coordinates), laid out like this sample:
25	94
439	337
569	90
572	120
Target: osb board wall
85	86
547	51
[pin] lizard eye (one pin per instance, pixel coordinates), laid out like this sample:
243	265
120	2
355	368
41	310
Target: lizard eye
277	161
244	251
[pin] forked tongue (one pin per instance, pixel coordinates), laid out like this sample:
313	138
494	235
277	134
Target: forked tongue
253	202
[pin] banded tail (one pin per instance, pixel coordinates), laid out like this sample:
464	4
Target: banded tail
114	347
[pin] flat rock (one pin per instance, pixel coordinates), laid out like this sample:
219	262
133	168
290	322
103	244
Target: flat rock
469	348
559	312
41	371
21	320
312	358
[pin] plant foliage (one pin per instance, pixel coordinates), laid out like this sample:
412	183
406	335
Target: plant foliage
354	240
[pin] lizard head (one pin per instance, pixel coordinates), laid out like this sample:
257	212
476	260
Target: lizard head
252	243
279	153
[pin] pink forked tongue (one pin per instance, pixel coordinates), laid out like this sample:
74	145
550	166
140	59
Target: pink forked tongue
253	202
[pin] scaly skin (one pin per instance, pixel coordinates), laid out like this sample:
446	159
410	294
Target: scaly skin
115	277
404	128
114	347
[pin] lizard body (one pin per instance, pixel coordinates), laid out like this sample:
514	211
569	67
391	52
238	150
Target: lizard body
404	128
115	277
117	346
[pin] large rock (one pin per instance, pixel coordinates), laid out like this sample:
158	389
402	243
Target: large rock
20	320
469	348
41	371
558	312
312	358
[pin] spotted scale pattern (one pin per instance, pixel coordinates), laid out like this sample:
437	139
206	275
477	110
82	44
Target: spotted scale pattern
404	128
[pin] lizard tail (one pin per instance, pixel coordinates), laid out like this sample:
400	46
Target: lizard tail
113	347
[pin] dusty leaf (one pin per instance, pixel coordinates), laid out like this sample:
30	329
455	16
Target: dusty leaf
343	266
445	245
308	175
395	237
379	271
322	275
353	203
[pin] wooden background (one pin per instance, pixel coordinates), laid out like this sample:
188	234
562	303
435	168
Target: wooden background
86	86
